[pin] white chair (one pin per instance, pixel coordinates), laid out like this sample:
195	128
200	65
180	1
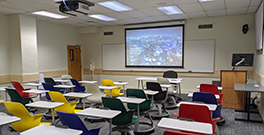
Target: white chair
171	101
66	77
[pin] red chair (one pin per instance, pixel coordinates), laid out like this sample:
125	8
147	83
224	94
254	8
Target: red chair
167	132
212	88
20	90
198	113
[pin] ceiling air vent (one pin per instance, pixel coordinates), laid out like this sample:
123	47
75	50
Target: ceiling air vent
108	33
205	26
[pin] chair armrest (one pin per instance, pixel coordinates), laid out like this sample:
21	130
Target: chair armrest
37	116
176	115
73	103
27	89
132	110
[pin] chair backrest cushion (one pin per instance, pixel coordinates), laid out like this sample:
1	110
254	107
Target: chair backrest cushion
207	98
78	87
209	88
96	93
162	95
138	93
170	74
19	88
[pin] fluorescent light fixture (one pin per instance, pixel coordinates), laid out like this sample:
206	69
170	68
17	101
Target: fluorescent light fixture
114	5
205	0
49	14
102	17
169	10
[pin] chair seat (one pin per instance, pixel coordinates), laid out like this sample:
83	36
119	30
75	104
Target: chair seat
44	123
30	96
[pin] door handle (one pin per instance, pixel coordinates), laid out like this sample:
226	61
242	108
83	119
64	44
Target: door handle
69	67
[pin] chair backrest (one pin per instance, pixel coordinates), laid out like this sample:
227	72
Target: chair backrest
78	87
167	132
209	88
115	92
170	74
50	80
208	98
138	93
72	121
14	95
162	95
20	111
107	82
124	117
19	88
163	80
49	87
96	93
58	97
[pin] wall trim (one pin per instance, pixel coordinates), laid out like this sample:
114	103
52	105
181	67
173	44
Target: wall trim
5	78
216	74
54	73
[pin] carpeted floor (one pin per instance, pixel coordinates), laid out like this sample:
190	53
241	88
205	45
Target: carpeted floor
231	127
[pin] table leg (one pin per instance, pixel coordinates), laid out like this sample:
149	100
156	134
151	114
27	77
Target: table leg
110	126
110	92
39	97
1	130
136	126
179	85
6	95
248	105
142	84
52	113
138	83
83	103
124	89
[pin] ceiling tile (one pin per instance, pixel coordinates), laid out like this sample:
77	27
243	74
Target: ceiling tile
134	13
151	11
197	14
184	1
135	4
160	3
252	9
117	15
162	18
100	9
179	16
234	11
237	3
255	2
147	19
132	20
194	7
212	13
213	5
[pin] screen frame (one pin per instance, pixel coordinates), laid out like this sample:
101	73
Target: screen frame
152	27
247	56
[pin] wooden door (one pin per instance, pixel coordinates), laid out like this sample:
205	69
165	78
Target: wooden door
74	62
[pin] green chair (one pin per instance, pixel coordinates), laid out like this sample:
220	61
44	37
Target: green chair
16	97
143	108
124	119
51	81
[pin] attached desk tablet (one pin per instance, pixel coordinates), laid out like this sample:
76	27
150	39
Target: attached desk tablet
88	82
6	119
101	113
78	95
2	89
248	88
32	84
211	107
62	81
108	88
35	91
121	84
137	101
151	93
68	87
219	88
46	105
188	126
190	95
51	130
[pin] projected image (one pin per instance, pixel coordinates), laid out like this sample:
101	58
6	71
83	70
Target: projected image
155	47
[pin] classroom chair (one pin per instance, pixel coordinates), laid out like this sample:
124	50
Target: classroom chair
78	88
124	119
172	74
167	132
51	81
171	101
159	100
198	113
212	88
20	90
16	97
74	122
27	120
115	92
66	77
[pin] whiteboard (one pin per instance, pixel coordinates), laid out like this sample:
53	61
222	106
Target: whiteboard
199	56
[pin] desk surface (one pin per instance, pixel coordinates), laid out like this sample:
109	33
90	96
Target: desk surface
248	87
62	81
6	119
88	82
44	104
107	87
51	130
189	126
131	100
35	91
32	84
101	113
211	107
155	79
64	86
191	95
3	89
121	83
150	92
77	94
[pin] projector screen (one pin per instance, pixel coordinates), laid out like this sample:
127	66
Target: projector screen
155	46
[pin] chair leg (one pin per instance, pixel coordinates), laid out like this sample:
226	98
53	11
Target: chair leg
159	106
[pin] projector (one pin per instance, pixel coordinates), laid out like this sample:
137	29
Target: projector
71	7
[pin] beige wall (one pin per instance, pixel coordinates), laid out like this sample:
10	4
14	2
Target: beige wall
4	45
52	40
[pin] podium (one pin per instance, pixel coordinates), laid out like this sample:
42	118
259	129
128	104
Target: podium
233	99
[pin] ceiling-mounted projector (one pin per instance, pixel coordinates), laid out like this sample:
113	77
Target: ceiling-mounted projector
71	7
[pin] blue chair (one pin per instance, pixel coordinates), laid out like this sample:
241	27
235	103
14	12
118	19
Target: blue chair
78	87
74	122
209	98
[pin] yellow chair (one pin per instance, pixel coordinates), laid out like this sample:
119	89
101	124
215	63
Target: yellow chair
27	120
115	92
67	107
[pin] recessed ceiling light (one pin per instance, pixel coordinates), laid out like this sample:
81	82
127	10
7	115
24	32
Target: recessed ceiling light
114	5
49	14
169	10
205	0
102	17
